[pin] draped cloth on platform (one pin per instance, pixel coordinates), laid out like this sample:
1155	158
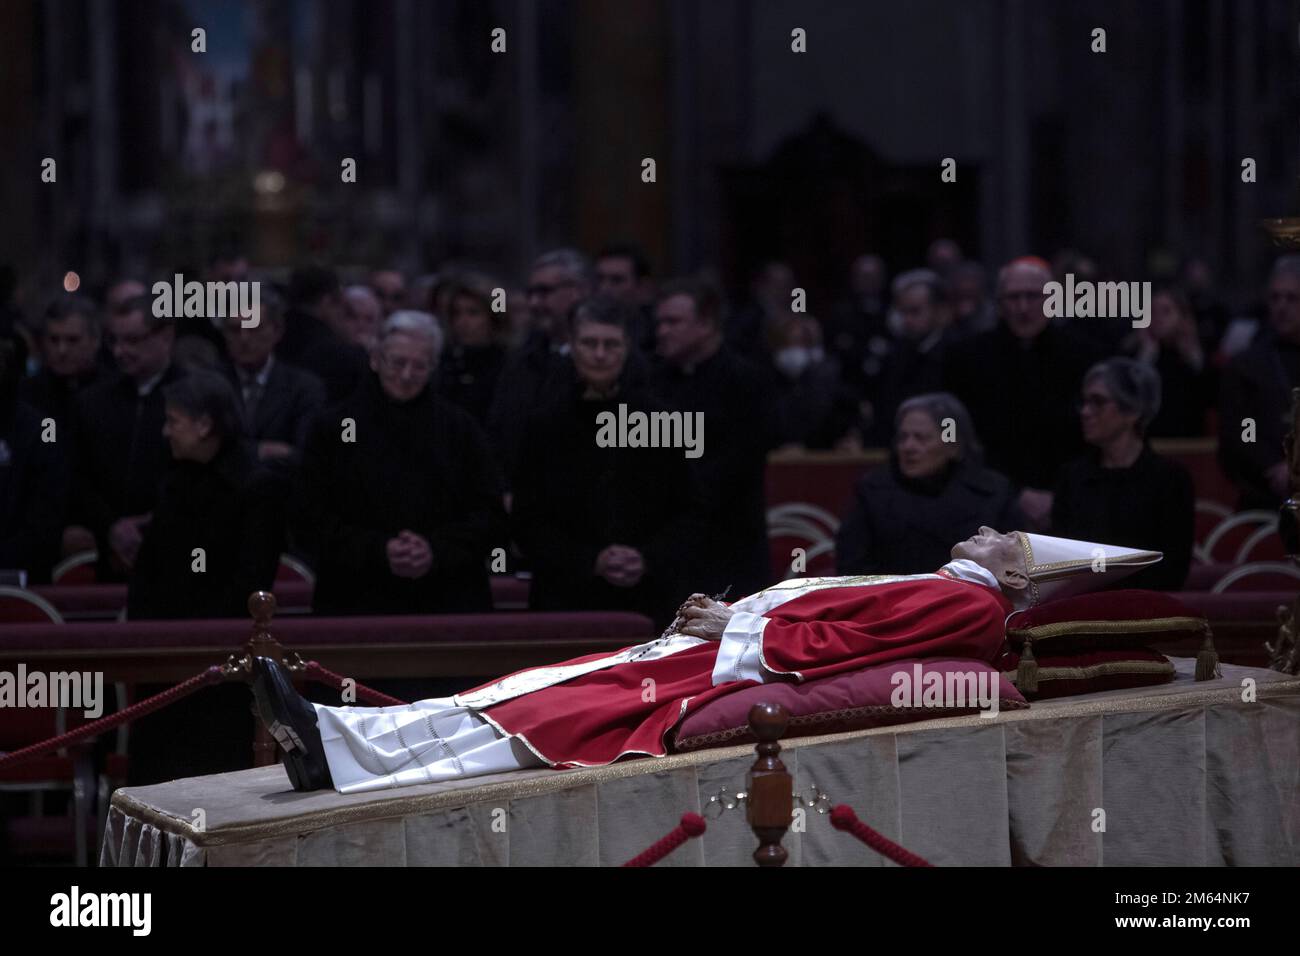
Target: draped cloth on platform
1187	773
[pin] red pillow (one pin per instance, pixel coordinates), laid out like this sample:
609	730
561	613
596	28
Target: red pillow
1082	672
851	701
1118	616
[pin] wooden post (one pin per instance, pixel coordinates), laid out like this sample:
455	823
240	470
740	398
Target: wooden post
261	605
770	787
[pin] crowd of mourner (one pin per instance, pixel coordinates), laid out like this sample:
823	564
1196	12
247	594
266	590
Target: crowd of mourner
407	437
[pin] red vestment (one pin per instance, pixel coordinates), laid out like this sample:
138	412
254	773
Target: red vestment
595	718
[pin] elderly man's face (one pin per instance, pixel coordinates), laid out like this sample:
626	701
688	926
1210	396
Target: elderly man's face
1284	306
599	352
1021	299
404	364
67	347
918	311
362	315
552	292
140	352
681	333
999	553
250	348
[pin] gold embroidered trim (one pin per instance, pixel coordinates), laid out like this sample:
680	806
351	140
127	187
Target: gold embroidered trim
1105	669
1056	629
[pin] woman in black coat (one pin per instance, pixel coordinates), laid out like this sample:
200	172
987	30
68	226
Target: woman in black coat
218	529
1122	492
905	516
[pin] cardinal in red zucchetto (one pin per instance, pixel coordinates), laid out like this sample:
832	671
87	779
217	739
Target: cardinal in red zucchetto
593	710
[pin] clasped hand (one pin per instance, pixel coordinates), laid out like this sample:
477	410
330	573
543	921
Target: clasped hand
702	616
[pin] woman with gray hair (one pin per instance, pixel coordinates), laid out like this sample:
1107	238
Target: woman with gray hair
934	490
1121	491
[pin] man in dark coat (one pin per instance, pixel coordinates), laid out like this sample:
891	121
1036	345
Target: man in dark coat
34	480
278	402
540	369
402	498
604	527
1256	388
215	498
310	341
69	348
1020	382
121	455
698	373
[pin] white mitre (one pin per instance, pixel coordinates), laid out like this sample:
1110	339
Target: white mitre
1062	567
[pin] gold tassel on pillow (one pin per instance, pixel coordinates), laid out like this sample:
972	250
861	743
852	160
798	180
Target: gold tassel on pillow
1027	670
1207	659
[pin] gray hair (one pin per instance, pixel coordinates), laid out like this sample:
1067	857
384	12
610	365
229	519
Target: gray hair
573	262
926	277
359	291
944	405
1134	386
412	322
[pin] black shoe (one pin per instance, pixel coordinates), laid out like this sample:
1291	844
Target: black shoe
291	720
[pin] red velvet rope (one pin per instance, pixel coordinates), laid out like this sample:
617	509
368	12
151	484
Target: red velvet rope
692	825
843	818
212	675
368	694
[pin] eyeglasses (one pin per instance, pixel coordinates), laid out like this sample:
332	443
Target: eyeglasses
417	366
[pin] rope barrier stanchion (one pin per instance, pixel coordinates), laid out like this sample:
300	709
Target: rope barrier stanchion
212	675
692	825
843	818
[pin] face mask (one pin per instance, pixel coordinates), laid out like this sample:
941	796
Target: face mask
793	361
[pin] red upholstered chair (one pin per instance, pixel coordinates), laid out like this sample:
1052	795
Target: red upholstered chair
797	524
1209	515
1238	534
292	569
20	606
76	569
1259	576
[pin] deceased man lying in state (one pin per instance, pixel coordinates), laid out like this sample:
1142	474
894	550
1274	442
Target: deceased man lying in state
593	710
